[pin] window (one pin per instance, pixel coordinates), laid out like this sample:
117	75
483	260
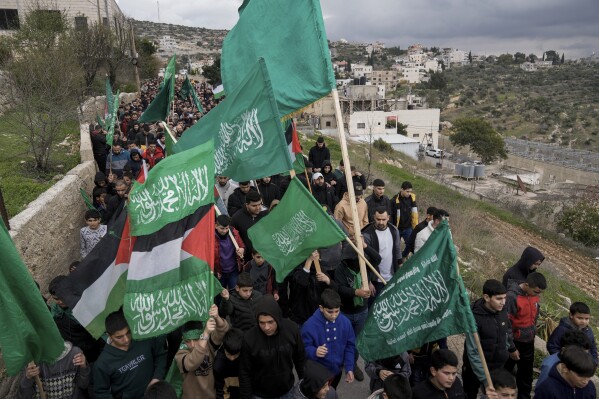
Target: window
80	23
416	135
9	19
328	124
105	21
361	125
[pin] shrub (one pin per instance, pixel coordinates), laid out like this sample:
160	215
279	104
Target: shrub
581	221
382	146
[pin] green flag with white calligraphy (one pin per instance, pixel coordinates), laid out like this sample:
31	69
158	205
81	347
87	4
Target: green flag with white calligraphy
248	136
424	301
293	229
174	188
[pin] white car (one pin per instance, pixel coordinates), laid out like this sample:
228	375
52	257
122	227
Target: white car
434	152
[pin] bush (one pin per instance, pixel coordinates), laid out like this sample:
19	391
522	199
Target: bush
581	221
382	146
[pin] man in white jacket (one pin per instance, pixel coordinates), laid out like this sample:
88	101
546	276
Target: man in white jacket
425	233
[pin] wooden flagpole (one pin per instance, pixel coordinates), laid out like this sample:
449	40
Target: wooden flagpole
40	387
350	190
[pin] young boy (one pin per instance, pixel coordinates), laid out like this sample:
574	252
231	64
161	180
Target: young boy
226	365
523	311
395	386
572	337
495	334
92	233
196	356
571	378
228	261
443	383
262	274
504	384
580	315
239	304
329	337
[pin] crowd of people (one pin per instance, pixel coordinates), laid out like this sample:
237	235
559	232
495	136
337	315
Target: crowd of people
261	334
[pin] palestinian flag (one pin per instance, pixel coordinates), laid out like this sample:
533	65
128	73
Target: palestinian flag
294	147
96	288
218	91
170	279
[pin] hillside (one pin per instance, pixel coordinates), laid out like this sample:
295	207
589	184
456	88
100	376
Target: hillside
556	105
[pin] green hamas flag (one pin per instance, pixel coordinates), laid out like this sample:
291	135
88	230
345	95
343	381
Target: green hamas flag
246	128
187	90
424	301
170	141
160	107
174	188
28	332
290	36
292	230
111	119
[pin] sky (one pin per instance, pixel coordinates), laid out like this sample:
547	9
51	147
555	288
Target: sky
481	26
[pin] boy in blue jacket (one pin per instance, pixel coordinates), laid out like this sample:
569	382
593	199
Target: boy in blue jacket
580	315
570	378
329	338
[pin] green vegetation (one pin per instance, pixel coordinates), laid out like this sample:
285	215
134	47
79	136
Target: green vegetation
581	221
481	138
19	180
554	105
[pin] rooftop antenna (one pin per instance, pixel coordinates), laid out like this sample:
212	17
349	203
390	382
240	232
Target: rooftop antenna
158	8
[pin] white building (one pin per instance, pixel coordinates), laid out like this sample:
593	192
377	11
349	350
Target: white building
432	65
359	70
82	13
454	56
400	143
423	124
412	74
528	66
167	44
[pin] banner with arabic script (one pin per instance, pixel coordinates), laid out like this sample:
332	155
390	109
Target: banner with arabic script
293	229
424	301
170	279
248	136
173	189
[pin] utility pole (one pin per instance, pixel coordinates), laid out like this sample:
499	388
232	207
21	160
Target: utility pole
99	17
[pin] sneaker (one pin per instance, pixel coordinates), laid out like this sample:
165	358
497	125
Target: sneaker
358	374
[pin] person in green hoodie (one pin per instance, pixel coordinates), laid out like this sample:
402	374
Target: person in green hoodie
127	367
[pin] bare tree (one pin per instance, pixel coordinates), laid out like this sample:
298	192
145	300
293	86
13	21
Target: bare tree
91	46
44	81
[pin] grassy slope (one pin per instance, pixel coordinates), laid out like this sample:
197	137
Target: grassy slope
20	184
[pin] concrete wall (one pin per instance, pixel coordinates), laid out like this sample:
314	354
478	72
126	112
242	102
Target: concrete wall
550	173
46	233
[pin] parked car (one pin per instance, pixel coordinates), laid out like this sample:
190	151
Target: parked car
434	152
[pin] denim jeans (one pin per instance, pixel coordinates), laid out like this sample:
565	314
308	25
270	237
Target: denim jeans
405	234
229	280
357	322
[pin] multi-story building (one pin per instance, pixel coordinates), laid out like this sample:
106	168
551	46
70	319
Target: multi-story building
454	57
359	70
389	78
81	13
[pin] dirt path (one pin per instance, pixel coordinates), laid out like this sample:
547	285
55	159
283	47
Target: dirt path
565	262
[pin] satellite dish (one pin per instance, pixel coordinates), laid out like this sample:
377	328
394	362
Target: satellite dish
521	184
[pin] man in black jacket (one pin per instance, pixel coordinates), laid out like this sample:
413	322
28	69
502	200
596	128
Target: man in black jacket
494	330
269	353
318	154
384	238
377	199
324	194
246	218
236	200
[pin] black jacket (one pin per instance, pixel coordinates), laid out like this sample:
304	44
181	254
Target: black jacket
267	362
304	293
269	193
495	332
373	202
426	390
345	278
242	221
236	201
317	156
325	196
372	239
241	311
99	143
521	269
